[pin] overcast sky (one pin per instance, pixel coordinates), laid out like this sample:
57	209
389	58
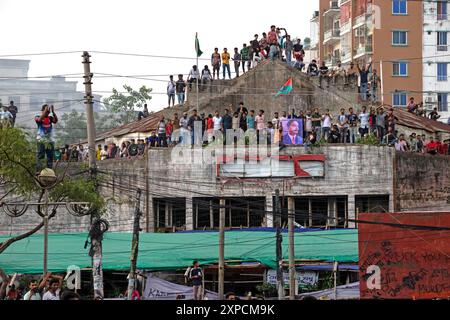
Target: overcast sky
164	28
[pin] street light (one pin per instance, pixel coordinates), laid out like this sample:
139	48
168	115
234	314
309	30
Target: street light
47	179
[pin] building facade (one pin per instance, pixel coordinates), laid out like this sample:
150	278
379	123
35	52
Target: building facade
30	94
387	32
436	86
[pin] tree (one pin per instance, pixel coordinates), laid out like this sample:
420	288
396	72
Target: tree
17	176
307	43
73	128
124	104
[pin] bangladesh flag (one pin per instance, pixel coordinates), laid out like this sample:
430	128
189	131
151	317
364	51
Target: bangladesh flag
197	47
286	88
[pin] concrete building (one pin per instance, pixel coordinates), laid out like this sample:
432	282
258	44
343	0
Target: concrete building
29	94
436	86
389	33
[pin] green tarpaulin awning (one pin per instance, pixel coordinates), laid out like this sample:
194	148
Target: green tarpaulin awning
164	251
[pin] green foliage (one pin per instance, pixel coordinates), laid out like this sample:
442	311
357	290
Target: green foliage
370	140
79	190
320	143
18	167
307	43
125	104
267	290
16	149
74	126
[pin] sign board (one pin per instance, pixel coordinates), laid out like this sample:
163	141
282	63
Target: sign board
403	260
304	278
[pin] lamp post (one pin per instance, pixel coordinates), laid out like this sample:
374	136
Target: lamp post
48	180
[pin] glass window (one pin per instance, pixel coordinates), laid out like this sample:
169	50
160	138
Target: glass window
399	38
442	10
400	69
399	99
441	40
442	71
399	7
443	102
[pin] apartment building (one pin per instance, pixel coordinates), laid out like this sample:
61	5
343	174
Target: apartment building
436	57
387	32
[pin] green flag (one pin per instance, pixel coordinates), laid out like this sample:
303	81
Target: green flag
197	47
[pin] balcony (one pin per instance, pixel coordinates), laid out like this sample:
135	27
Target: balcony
333	10
332	61
359	21
346	28
363	50
442	16
332	35
315	16
346	56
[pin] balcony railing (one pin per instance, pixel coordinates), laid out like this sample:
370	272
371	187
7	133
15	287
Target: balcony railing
346	27
332	34
359	21
362	50
442	16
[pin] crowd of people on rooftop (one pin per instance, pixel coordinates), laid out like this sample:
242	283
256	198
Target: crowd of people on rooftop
316	127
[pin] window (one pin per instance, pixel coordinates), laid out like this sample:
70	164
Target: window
441	71
400	69
442	10
399	38
399	99
399	7
441	40
443	102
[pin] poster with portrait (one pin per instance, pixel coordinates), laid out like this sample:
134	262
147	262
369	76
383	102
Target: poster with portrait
292	132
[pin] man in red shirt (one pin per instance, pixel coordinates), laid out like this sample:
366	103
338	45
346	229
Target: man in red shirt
442	147
272	36
432	146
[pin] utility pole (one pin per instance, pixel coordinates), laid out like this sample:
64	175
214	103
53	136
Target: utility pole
134	246
89	111
96	243
279	249
292	273
222	249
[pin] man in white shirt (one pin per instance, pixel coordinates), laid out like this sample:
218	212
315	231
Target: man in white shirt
53	291
193	76
33	293
363	122
217	120
6	118
171	90
326	124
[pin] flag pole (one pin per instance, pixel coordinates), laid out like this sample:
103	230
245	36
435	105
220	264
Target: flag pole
198	67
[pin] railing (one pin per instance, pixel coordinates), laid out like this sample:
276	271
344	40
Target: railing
360	20
364	49
442	16
346	27
331	34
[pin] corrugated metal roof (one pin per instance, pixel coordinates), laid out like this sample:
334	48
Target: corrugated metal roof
412	120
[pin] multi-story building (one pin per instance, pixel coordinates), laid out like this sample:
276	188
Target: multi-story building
387	32
436	86
30	94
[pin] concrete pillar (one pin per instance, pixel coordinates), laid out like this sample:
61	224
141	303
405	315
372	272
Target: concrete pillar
351	210
158	204
166	215
269	211
150	215
189	214
332	212
211	215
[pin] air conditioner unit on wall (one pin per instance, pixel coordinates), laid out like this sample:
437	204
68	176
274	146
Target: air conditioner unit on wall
429	100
